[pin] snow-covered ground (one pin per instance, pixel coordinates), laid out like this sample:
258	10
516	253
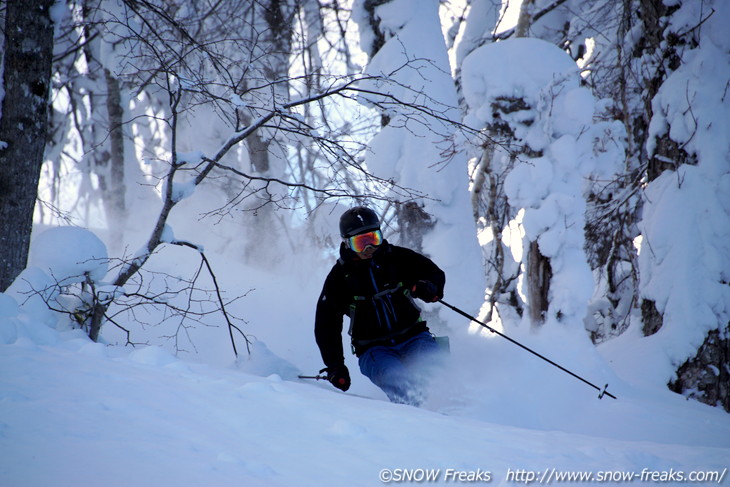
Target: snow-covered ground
78	413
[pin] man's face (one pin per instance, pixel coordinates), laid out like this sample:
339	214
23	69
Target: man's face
367	253
365	244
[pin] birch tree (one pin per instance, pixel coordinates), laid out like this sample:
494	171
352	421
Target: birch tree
493	161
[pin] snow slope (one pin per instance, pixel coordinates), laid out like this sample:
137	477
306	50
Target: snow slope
74	412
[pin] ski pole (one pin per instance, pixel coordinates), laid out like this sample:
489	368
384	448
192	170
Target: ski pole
341	381
315	377
602	390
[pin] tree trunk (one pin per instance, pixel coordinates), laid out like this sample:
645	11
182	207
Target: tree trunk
414	223
538	275
114	199
265	151
706	377
23	127
378	41
525	18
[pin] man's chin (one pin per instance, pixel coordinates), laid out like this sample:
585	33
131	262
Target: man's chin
367	254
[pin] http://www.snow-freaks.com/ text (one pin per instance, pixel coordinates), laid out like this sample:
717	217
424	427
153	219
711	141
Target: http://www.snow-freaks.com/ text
549	476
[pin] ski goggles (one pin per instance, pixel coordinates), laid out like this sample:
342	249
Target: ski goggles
359	243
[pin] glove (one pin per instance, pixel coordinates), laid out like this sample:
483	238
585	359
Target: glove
338	376
426	291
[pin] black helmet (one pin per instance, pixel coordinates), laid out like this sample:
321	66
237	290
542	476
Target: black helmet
358	220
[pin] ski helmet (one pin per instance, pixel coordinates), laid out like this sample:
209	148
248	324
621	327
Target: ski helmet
357	220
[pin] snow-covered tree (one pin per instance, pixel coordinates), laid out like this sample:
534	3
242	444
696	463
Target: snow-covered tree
686	214
412	88
545	145
644	63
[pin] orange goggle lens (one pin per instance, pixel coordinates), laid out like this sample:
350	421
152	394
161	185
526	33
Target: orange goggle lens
359	243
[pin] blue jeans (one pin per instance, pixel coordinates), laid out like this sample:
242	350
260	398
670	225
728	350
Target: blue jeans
402	371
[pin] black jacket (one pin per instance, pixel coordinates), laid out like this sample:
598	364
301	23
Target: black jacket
375	294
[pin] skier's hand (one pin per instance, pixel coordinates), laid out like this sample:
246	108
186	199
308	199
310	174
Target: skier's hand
339	376
426	291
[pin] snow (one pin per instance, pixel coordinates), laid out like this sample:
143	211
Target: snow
483	14
97	413
180	190
686	211
168	234
549	187
414	68
147	418
69	253
74	412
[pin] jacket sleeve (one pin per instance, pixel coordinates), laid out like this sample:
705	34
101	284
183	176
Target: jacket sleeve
331	307
421	268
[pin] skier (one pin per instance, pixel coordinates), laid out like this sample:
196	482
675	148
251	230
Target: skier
375	283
